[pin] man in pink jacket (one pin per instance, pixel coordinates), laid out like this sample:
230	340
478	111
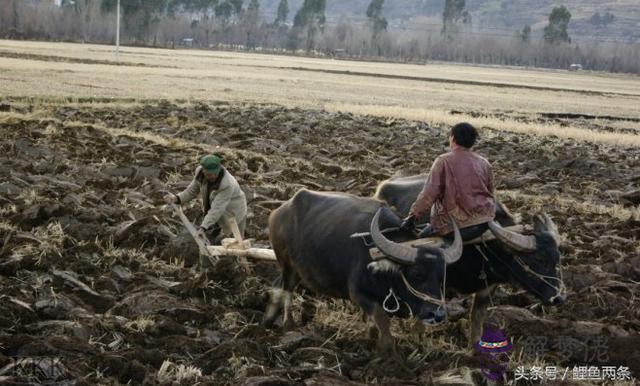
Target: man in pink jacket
460	184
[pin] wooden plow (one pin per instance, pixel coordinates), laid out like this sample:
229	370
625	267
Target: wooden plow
235	246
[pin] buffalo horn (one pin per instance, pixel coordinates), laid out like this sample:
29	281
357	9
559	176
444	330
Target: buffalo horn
512	239
454	251
398	253
551	227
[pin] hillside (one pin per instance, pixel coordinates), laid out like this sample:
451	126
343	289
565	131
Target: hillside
502	17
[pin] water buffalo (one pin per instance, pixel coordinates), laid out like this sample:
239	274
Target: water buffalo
527	261
310	235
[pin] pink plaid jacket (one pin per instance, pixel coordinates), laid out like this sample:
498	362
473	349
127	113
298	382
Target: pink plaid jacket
461	184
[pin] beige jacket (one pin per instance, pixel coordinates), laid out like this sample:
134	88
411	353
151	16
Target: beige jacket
225	201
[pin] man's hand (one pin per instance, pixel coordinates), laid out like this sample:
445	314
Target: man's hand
171	198
202	233
408	223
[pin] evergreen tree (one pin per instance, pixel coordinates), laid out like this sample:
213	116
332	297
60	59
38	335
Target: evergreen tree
602	20
608	18
205	8
310	17
254	5
283	12
223	11
556	31
454	13
525	34
138	15
237	6
378	22
311	12
251	23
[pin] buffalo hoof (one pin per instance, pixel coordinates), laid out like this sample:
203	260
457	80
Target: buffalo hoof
308	313
391	365
386	350
372	332
270	316
288	325
268	323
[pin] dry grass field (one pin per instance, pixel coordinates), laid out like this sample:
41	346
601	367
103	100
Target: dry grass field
518	100
94	272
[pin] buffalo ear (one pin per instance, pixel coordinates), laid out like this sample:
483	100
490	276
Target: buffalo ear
539	224
389	218
544	222
383	265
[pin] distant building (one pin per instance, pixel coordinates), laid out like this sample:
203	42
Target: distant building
187	42
339	53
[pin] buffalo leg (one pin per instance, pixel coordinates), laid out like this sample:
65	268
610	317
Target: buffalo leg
372	329
374	312
287	319
289	282
308	309
281	299
481	301
383	323
274	307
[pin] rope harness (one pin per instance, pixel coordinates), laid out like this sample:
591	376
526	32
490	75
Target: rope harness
441	303
560	290
364	236
393	296
396	308
483	276
424	297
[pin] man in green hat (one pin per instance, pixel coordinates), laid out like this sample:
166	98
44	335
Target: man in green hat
222	198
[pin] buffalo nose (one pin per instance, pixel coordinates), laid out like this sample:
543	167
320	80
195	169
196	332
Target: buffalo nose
558	300
437	316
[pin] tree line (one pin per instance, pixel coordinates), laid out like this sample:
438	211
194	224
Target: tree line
242	25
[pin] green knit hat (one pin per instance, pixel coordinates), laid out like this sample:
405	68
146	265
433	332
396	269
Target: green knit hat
210	163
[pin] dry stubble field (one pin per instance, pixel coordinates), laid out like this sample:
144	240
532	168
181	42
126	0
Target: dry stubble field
95	273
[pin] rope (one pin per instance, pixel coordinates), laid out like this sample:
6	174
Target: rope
560	290
409	308
385	230
420	295
391	295
364	234
366	243
423	296
484	274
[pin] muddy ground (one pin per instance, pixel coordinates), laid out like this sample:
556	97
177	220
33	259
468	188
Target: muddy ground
94	272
